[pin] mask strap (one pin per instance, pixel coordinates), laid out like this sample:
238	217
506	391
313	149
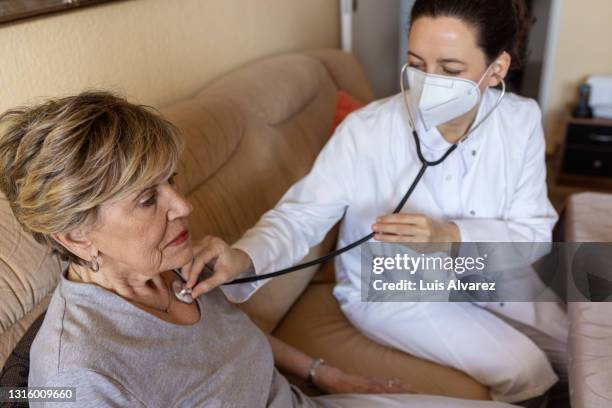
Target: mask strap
483	76
411	119
473	128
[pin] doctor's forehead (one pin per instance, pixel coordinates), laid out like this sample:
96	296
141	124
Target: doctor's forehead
435	39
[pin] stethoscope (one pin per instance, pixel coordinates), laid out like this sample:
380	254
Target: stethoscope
184	294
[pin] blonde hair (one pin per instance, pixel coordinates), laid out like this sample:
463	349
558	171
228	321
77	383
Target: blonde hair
62	159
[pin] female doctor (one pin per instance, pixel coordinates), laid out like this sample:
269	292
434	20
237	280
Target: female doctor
492	187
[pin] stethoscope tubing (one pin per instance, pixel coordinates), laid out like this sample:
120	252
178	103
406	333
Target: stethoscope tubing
332	254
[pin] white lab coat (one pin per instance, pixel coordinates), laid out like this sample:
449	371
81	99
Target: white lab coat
493	187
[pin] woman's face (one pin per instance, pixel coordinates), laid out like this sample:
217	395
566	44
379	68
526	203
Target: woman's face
144	233
448	46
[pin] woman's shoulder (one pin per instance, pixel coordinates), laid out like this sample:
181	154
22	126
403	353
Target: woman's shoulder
80	318
45	349
63	340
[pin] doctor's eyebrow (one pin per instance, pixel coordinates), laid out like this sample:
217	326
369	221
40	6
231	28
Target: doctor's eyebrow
415	55
450	61
441	60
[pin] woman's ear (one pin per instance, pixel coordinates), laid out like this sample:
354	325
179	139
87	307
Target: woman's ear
499	69
76	242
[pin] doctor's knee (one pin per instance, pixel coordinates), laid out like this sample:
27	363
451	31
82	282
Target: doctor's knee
521	377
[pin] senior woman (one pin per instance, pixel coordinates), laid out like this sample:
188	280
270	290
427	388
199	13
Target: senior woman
91	176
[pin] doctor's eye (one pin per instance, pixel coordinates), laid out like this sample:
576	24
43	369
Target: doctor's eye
417	65
452	72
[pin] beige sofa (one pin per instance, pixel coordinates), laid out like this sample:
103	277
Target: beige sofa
588	218
249	136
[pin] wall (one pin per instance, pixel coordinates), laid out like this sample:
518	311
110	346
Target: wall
583	48
536	45
154	51
404	19
376	37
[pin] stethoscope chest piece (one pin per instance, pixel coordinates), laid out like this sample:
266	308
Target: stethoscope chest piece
182	293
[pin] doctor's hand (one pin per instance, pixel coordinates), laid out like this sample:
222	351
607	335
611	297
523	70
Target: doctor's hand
414	228
228	264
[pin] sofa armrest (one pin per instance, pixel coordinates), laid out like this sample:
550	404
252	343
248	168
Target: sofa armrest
590	344
588	218
28	274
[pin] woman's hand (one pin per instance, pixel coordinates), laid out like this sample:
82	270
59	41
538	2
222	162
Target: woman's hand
228	264
334	381
414	228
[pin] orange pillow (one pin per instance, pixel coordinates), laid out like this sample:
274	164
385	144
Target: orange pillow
345	104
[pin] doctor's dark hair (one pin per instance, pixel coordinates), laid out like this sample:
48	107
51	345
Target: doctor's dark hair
502	25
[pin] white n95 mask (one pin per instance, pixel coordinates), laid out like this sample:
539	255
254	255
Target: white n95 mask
438	99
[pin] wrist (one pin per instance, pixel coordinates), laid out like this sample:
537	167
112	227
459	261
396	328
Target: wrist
314	371
453	232
246	263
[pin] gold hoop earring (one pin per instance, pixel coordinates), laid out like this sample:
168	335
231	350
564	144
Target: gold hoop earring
94	264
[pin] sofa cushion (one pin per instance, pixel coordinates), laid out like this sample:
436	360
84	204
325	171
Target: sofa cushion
317	326
15	371
272	301
345	105
588	218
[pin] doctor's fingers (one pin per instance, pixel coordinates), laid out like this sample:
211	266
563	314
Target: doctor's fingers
196	266
402	238
414	238
207	251
400	229
403	218
208	284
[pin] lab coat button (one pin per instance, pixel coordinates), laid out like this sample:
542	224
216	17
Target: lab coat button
449	177
502	304
472	212
473	152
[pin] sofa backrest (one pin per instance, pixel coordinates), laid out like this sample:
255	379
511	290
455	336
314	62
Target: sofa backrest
252	134
249	136
28	275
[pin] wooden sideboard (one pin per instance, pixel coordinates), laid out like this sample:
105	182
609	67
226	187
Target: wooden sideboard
586	153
